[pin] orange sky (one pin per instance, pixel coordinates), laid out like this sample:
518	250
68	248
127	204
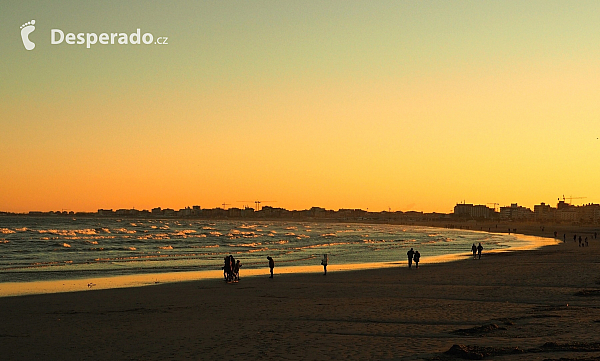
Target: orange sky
412	106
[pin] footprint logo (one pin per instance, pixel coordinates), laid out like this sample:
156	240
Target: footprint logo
27	29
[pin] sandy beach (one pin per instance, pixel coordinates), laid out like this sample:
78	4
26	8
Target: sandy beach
527	305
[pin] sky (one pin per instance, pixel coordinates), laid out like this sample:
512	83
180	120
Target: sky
401	105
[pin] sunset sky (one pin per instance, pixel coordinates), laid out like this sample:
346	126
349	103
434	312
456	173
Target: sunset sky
411	105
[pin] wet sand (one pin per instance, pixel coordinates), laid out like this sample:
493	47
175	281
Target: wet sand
526	305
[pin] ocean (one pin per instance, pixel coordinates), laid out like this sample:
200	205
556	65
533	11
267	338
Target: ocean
62	248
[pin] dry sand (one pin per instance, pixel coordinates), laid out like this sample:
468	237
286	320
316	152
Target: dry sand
528	305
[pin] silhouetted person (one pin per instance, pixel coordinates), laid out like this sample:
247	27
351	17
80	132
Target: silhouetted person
271	265
586	242
564	238
416	257
236	270
226	269
231	267
574	238
410	255
479	249
324	263
579	241
474	250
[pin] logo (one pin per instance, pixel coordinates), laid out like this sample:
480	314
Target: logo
58	36
27	29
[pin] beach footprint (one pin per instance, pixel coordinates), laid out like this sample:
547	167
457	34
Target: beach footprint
27	29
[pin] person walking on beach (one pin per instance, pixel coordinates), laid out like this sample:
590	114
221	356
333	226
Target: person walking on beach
474	250
410	255
236	270
416	257
226	268
479	249
271	265
324	263
231	267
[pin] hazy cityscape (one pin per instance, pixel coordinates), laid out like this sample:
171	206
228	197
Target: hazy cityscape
563	212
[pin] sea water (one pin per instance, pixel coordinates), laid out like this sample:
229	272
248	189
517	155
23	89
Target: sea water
62	248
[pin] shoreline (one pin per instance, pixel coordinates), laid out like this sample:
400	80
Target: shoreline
534	305
16	289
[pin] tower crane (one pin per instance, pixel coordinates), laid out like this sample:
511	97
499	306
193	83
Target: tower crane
256	204
570	198
495	204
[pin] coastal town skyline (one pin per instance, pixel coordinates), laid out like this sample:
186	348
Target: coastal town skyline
564	211
257	205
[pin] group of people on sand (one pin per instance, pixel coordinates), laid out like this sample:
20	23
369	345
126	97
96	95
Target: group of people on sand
476	250
413	256
231	269
582	243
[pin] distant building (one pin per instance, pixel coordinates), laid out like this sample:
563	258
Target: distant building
470	211
586	214
124	212
318	212
184	212
463	209
590	213
196	211
544	212
247	212
515	212
105	212
481	211
234	212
